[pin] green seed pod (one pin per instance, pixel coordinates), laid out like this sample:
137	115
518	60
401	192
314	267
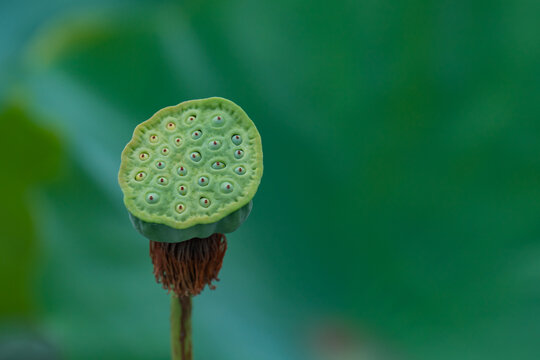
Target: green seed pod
199	180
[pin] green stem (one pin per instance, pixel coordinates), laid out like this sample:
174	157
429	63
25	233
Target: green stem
181	328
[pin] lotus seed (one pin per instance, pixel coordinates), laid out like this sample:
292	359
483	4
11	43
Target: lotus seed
214	144
222	145
226	187
204	202
195	156
240	170
182	190
236	139
218	120
182	171
180	208
152	198
162	180
239	154
140	176
196	134
203	181
218	165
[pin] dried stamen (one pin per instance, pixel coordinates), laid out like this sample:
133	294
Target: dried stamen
188	266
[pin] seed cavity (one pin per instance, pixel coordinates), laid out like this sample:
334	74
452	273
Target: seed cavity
171	126
160	165
203	181
196	134
182	189
140	176
195	156
236	139
165	151
144	156
191	119
218	120
218	165
152	198
182	171
204	202
178	141
162	180
240	170
226	187
239	154
180	208
154	138
214	144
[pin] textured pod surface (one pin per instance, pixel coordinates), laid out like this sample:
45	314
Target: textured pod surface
182	166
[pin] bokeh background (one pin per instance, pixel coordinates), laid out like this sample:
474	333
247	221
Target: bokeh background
398	213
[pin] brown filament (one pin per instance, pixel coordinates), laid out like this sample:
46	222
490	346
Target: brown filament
188	266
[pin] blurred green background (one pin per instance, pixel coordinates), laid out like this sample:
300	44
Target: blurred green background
398	213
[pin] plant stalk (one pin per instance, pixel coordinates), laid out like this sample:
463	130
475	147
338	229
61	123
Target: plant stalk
181	327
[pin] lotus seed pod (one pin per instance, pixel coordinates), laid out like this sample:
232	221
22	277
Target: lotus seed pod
191	170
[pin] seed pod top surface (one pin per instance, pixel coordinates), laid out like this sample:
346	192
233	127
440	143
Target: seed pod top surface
193	163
